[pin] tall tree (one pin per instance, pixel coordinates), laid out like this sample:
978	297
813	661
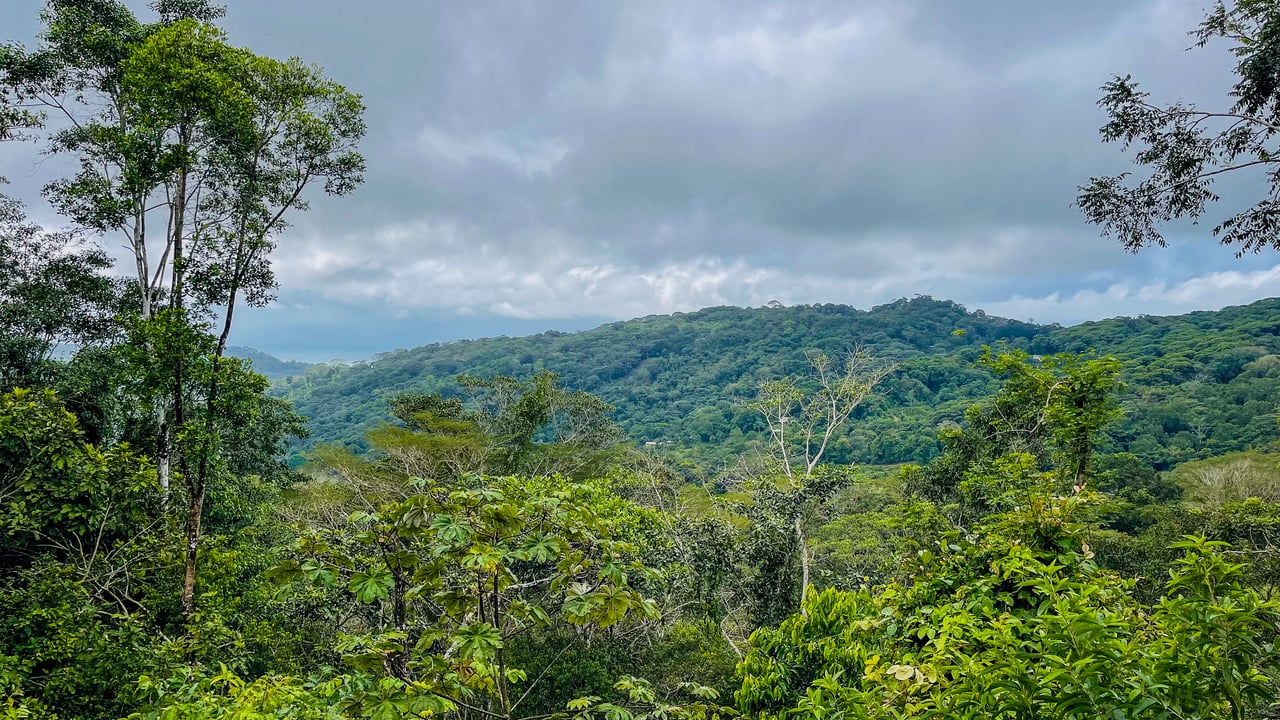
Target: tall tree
802	425
1185	148
507	426
1049	413
196	152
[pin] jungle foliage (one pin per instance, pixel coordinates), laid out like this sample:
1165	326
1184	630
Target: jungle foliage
1085	523
1194	385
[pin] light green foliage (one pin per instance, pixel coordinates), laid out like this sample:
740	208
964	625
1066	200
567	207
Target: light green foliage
871	546
1068	398
1018	622
1049	413
1212	483
451	576
529	427
226	696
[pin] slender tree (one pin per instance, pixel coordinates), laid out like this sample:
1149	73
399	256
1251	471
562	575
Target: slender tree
196	152
802	424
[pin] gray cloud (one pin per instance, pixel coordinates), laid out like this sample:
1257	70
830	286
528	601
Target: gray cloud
584	159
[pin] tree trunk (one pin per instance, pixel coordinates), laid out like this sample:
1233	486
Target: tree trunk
162	457
195	485
139	241
802	547
195	507
397	663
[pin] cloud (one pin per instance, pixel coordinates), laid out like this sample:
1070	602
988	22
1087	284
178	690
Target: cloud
438	264
573	159
536	157
1210	291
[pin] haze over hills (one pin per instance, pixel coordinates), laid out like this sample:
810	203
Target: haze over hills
267	364
1197	384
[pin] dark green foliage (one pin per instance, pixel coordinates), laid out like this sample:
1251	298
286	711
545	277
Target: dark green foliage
56	491
52	294
73	526
61	651
676	378
1195	385
1185	149
500	554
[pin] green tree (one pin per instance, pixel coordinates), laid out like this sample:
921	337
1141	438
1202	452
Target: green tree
802	425
450	578
1049	412
1072	396
505	426
1185	149
1018	622
196	152
76	537
58	492
53	294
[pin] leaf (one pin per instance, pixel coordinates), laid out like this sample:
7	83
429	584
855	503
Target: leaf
286	572
582	703
542	547
477	641
374	585
450	529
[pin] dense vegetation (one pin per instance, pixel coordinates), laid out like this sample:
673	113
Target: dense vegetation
498	548
1196	385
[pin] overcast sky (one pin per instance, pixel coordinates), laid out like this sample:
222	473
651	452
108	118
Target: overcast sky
539	164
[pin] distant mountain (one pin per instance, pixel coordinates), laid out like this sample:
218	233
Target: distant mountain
1198	384
273	367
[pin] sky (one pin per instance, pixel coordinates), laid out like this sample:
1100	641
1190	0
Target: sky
556	165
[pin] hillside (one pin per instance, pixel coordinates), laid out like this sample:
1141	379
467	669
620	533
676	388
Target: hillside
1197	384
273	367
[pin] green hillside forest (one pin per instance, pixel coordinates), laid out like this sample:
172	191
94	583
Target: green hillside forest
1194	386
781	513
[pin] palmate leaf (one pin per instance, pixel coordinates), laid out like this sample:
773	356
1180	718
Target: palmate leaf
582	703
504	518
451	529
580	603
285	572
455	601
483	558
371	586
415	515
314	571
542	547
477	641
385	708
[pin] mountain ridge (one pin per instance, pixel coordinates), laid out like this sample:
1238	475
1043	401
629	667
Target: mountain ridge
679	378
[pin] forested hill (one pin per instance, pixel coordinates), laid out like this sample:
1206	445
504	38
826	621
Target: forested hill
1208	382
273	367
